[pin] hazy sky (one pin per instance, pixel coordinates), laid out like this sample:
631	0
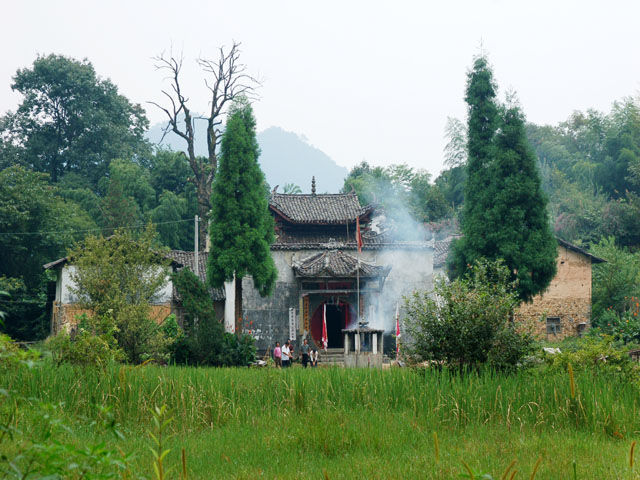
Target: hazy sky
360	79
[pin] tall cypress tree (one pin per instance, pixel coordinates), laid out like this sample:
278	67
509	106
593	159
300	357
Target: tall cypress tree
242	228
482	124
505	210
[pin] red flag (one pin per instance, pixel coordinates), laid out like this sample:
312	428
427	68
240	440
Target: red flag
358	236
325	339
397	328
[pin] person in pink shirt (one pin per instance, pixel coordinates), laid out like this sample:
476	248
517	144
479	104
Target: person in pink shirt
277	355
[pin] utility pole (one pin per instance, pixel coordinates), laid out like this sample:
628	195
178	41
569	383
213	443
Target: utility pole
196	266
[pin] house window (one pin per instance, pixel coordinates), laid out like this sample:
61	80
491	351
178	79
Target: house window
554	326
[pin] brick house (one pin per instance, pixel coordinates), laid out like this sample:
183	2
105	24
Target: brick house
564	309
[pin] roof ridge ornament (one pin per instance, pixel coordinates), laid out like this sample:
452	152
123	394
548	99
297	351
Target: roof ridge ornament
313	185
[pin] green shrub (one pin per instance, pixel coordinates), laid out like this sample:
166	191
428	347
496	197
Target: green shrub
508	349
11	354
600	354
117	278
239	350
84	348
466	322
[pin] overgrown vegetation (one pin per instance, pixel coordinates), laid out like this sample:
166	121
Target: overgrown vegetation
205	342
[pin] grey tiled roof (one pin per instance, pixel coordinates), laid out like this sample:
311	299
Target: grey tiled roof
336	264
187	259
331	240
322	209
305	239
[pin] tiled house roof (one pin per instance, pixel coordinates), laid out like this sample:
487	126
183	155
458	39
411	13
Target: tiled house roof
337	264
187	259
327	238
575	248
322	209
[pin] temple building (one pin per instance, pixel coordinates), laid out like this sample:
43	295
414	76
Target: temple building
321	272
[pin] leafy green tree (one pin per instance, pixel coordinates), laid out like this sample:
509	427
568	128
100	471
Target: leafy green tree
615	281
169	171
118	278
451	184
36	225
505	215
242	228
176	199
405	194
119	210
467	321
427	202
70	120
134	179
168	217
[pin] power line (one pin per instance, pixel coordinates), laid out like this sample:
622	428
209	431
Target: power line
96	229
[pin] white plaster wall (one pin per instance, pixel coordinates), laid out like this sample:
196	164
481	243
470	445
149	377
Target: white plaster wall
66	294
230	306
66	286
166	293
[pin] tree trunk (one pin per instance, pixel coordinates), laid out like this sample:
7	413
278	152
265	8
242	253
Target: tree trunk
204	208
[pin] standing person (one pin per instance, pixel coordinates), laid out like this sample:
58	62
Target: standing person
314	358
286	355
305	353
277	355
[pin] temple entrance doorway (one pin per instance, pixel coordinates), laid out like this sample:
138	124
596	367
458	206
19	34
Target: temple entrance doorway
338	317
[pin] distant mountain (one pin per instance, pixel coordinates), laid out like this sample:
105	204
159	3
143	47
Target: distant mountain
286	158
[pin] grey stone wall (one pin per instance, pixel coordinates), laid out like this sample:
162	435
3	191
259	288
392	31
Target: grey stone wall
268	317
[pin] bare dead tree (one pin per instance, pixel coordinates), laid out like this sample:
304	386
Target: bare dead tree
227	79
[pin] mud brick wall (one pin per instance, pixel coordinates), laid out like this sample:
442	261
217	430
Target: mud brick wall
567	298
64	316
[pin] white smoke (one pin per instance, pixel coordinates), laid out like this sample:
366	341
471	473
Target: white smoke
409	253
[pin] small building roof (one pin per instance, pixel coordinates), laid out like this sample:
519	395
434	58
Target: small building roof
337	264
575	248
187	259
322	209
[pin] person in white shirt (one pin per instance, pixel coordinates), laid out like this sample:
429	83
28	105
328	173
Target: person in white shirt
314	357
286	355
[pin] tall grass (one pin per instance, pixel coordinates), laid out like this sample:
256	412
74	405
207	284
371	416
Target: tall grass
207	398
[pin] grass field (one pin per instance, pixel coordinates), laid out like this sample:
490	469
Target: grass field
338	423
